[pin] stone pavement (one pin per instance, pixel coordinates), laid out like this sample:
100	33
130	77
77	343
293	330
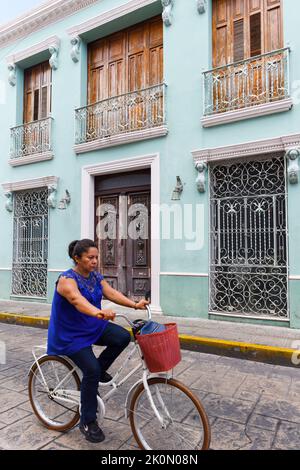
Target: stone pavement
250	405
258	342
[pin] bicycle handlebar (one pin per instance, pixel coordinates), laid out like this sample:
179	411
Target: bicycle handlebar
121	315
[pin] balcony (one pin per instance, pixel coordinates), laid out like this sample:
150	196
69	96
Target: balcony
252	87
31	142
129	117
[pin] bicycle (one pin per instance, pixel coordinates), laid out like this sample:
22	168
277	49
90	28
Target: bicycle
164	413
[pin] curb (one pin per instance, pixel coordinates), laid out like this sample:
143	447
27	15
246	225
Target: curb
25	320
253	352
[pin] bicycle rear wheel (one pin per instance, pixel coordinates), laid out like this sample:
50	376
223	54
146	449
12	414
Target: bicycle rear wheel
187	425
55	414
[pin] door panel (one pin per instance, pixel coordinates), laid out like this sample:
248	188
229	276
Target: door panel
138	249
110	263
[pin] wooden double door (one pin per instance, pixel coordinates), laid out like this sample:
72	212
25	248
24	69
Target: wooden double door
123	232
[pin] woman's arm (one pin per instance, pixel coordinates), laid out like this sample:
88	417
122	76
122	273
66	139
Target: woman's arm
68	289
115	296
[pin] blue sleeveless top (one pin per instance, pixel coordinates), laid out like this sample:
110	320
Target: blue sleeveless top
70	330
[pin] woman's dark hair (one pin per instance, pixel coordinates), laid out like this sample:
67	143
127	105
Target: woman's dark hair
78	247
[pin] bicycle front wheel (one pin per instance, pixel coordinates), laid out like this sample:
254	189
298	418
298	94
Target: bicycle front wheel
186	425
55	413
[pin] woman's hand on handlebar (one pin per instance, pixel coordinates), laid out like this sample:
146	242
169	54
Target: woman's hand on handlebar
141	305
106	314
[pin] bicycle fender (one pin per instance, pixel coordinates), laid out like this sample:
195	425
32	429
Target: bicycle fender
133	388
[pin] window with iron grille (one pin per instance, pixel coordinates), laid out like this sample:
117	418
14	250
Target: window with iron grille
249	260
30	243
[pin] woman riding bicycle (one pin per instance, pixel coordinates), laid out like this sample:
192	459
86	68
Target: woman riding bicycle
77	322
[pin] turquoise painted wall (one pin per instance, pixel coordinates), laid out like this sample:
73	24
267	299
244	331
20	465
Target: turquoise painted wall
187	53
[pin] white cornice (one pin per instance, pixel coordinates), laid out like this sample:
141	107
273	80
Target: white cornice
184	274
248	113
258	147
30	184
121	139
35	49
36	158
108	16
125	164
47	13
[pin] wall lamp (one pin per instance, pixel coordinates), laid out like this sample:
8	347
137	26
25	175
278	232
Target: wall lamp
177	190
65	201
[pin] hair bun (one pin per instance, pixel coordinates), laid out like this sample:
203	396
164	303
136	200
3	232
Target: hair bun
71	248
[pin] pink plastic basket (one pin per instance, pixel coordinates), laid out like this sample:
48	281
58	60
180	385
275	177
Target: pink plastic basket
161	350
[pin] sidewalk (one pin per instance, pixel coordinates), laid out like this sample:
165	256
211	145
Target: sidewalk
261	343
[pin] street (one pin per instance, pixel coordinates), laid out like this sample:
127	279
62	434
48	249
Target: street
250	405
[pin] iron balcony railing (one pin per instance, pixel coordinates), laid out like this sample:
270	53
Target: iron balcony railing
129	112
258	80
31	138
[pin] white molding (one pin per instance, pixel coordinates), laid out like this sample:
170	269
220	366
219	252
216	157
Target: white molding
36	158
5	269
156	310
40	17
184	274
56	270
295	277
151	161
31	183
257	147
108	16
121	139
247	113
35	49
252	317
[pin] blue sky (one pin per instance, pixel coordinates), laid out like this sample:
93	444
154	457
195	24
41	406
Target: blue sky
12	8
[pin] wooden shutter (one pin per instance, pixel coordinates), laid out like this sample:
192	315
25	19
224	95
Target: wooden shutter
28	97
37	92
255	35
273	25
155	52
245	28
126	61
97	72
137	60
221	32
238	40
116	80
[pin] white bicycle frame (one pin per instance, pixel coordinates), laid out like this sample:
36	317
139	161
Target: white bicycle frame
73	396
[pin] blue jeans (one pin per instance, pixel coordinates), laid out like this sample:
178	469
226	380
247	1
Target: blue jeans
116	339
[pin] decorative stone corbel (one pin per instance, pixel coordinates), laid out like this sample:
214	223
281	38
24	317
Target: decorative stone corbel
52	196
293	165
12	76
75	51
167	12
201	6
9	202
53	61
201	178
